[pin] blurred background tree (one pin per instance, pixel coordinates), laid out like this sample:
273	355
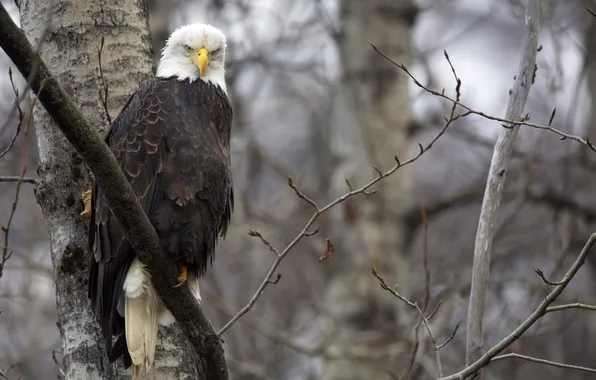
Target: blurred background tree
314	101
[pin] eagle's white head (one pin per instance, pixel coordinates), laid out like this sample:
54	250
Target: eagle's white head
195	51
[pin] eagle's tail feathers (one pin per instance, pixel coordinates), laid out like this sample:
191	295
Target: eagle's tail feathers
140	309
151	326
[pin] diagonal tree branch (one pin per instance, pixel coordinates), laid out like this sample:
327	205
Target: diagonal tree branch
540	311
101	162
495	184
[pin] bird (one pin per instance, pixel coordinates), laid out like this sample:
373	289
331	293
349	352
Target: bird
172	142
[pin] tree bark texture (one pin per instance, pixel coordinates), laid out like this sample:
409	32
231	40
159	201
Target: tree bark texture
71	50
372	113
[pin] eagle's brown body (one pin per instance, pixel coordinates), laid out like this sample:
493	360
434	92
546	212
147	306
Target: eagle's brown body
172	141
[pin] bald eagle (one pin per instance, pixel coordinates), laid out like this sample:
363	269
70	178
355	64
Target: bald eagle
172	141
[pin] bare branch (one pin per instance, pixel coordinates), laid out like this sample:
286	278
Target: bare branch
543	361
434	311
495	183
391	290
540	311
425	247
20	115
568	306
103	91
300	194
18	179
450	337
422	316
546	281
255	233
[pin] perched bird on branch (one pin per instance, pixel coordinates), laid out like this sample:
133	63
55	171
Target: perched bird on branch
172	140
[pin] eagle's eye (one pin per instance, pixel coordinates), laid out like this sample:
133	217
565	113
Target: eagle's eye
215	51
188	48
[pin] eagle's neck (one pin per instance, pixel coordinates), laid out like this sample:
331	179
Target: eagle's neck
174	67
217	77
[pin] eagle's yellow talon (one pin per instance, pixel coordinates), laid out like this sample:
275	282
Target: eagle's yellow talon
182	277
86	214
183	273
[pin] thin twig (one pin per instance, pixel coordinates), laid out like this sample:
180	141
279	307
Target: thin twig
425	257
60	369
103	95
21	116
450	337
543	361
420	313
301	194
540	273
18	179
494	187
255	233
568	306
391	290
432	313
416	343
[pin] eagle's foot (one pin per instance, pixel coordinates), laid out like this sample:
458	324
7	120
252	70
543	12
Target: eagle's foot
182	277
86	214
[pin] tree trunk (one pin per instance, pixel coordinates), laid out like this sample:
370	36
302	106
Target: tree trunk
70	49
374	110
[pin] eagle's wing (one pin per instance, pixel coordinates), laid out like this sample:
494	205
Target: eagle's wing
136	140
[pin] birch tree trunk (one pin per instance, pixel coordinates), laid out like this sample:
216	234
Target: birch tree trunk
371	116
70	48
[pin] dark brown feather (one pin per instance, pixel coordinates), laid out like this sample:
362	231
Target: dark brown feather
172	140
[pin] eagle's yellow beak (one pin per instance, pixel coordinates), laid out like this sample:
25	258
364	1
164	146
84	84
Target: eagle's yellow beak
201	59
